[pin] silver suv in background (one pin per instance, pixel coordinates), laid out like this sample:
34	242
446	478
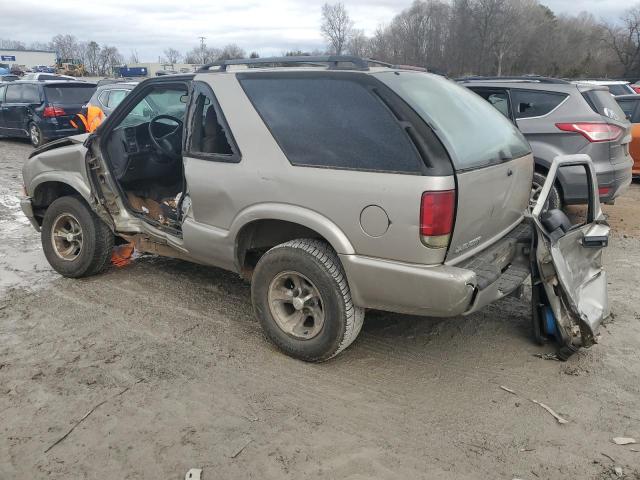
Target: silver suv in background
561	118
333	185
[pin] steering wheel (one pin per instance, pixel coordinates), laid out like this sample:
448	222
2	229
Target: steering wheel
169	144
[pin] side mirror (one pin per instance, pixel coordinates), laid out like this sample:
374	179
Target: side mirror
147	112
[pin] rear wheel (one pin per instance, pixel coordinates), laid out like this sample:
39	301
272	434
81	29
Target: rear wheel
555	200
76	242
301	297
35	135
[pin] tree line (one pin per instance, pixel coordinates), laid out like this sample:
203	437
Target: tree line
493	37
454	37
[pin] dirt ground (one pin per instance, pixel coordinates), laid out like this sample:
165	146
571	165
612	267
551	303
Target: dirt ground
176	373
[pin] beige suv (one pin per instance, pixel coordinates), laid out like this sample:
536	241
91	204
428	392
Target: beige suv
333	184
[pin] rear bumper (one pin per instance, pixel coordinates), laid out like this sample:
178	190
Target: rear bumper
441	290
52	130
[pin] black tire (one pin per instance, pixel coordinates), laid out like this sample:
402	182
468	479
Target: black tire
555	199
96	239
35	135
316	261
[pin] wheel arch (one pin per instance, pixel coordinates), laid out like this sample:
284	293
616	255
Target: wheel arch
47	189
262	228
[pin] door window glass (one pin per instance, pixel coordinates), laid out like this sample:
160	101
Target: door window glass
498	98
14	94
529	103
2	90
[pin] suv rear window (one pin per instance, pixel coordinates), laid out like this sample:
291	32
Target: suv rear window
474	131
530	103
602	102
331	121
69	94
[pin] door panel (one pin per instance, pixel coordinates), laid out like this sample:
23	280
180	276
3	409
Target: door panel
569	262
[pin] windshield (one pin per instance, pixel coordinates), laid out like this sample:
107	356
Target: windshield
70	94
475	133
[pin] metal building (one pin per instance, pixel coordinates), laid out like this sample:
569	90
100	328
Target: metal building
27	58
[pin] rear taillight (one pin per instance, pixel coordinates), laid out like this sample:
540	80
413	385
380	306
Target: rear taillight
51	111
437	210
594	132
604	191
635	89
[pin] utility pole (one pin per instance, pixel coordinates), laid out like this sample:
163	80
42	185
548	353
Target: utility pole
202	47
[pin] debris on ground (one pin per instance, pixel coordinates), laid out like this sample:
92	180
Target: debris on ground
193	474
122	255
241	447
546	407
550	410
547	356
618	471
624	440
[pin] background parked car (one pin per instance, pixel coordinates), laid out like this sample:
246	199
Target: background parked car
561	118
39	76
616	87
109	96
41	111
103	101
630	105
8	78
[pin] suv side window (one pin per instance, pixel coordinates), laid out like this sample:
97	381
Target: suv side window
628	107
14	94
499	98
530	103
30	94
320	120
115	97
209	134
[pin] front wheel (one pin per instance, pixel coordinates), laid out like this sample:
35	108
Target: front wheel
35	135
301	297
76	242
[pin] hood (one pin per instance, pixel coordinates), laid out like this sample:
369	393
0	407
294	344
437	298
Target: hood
63	142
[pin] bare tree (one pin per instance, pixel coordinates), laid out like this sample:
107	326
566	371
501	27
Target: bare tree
11	44
231	51
91	61
336	27
625	40
172	55
358	44
134	58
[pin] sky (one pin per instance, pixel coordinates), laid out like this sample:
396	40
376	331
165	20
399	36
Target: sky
269	27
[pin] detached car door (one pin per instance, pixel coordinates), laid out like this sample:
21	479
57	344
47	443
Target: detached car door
568	262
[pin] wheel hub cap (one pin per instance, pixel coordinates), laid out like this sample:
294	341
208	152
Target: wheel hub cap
296	305
66	237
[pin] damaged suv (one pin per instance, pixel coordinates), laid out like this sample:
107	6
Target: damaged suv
333	184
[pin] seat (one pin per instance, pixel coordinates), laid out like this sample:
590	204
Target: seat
211	131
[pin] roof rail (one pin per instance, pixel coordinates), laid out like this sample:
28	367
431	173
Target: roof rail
333	62
521	78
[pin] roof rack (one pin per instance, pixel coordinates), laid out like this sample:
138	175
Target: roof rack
333	62
521	78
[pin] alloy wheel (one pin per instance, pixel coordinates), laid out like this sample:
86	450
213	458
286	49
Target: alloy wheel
296	305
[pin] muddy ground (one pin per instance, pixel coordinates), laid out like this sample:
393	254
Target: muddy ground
180	376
